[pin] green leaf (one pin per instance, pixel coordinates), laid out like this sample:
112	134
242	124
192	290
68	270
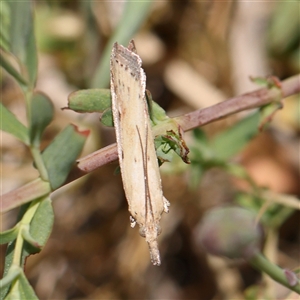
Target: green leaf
9	235
168	135
262	81
156	112
20	290
202	157
268	82
133	16
7	267
206	154
40	117
267	113
107	118
200	136
40	226
274	214
25	289
21	37
10	124
61	154
92	100
231	141
4	28
284	27
6	65
40	229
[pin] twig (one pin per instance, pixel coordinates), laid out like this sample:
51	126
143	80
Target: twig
24	194
187	122
202	117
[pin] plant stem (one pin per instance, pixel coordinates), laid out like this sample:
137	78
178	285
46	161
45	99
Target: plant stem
202	117
259	262
18	249
29	214
237	104
24	222
26	193
37	157
188	121
35	151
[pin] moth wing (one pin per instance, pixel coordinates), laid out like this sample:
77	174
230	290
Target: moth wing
136	151
133	131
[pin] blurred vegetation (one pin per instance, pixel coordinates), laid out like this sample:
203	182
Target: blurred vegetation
92	252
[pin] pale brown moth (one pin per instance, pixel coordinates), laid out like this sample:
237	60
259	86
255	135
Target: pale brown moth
136	151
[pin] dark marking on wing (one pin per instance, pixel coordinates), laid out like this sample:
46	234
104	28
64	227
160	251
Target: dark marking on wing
148	201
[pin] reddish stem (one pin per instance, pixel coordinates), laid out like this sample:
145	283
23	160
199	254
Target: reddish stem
187	122
204	116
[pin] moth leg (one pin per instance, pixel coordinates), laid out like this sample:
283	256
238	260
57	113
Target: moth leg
166	205
132	221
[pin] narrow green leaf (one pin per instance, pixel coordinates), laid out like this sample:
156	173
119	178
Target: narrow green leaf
7	266
92	100
6	65
231	141
156	112
40	229
267	113
201	153
9	235
4	28
107	118
40	226
21	36
133	16
10	124
61	154
31	60
25	289
200	136
284	27
41	115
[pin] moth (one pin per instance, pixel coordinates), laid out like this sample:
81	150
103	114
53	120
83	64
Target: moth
135	143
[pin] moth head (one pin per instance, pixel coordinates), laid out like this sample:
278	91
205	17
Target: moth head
144	231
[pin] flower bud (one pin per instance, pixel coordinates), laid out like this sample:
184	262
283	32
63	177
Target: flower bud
230	231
